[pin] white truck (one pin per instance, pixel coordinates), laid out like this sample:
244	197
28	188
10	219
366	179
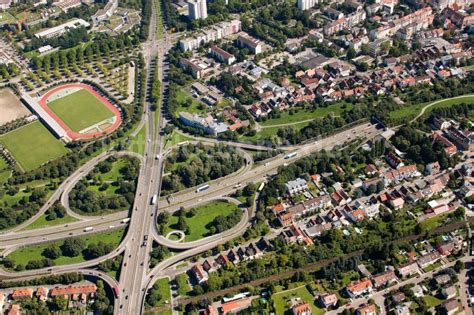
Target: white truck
88	229
153	200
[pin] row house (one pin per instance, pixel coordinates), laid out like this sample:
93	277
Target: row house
402	173
417	21
428	259
340	197
253	44
459	18
394	160
463	138
222	55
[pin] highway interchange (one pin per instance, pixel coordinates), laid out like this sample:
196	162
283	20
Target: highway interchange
136	278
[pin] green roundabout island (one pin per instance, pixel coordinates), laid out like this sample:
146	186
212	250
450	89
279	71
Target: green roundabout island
108	188
196	223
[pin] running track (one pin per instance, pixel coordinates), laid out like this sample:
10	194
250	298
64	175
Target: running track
76	135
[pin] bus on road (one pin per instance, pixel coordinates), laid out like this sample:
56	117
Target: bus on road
88	229
202	188
291	155
125	220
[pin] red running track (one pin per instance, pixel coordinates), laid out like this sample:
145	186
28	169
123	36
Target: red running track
76	135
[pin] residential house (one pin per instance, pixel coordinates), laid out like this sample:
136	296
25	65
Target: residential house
428	259
233	307
42	294
301	308
200	274
285	219
384	278
408	269
433	168
328	300
446	248
442	279
451	307
394	160
397	203
296	186
22	293
368	309
2	300
73	289
15	309
449	292
356	289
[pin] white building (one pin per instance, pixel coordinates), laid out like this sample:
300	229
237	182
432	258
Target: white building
306	4
61	29
212	33
106	12
5	4
296	186
197	9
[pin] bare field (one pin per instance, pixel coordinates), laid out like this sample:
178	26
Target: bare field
10	107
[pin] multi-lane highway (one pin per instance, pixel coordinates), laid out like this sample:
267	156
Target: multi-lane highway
136	277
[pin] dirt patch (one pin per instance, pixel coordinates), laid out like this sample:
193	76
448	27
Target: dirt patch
10	107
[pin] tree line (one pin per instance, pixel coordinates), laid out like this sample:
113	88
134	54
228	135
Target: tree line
193	165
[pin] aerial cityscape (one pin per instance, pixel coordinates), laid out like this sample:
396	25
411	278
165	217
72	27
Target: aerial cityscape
298	157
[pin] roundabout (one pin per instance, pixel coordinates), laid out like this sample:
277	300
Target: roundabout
176	236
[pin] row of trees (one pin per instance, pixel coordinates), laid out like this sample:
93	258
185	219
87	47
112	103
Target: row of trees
193	165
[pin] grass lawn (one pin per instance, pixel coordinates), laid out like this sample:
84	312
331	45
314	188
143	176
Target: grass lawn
433	223
432	301
183	286
195	106
175	138
41	222
301	115
137	144
5	171
204	215
412	110
110	177
163	286
159	21
6	18
34	252
80	110
282	300
33	145
268	133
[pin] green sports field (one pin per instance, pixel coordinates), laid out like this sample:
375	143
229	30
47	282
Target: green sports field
80	110
32	145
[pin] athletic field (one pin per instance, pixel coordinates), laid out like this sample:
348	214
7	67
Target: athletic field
80	110
32	145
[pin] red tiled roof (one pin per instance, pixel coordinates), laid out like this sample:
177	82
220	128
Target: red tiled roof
76	289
